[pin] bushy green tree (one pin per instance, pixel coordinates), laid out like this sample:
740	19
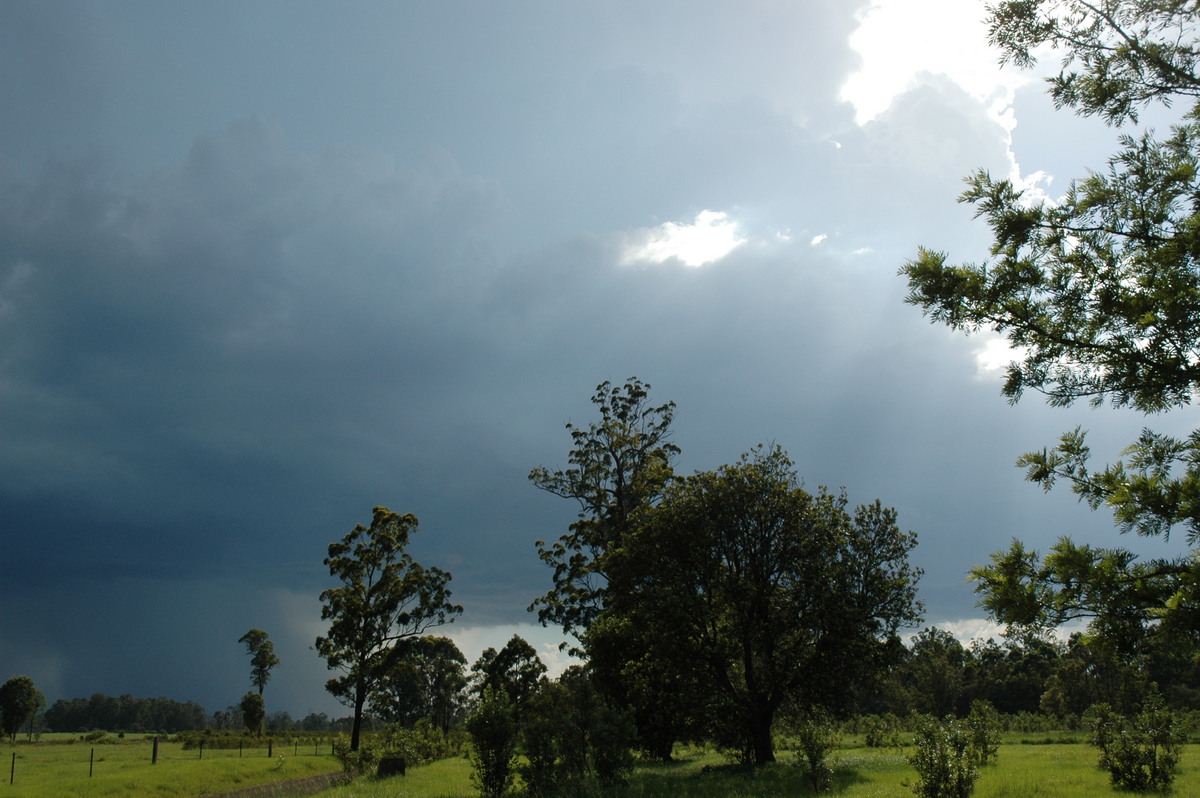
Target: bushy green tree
19	702
767	593
493	729
1099	294
385	596
516	669
635	666
544	732
254	712
1142	752
816	736
934	672
571	736
943	759
983	726
427	679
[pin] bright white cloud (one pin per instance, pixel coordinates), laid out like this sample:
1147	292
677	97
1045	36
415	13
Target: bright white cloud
712	236
472	640
993	356
817	239
898	40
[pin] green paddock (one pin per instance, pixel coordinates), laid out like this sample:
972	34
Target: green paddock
1028	765
57	768
1040	769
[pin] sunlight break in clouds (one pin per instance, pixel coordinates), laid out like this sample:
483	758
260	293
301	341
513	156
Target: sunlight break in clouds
994	355
711	237
896	41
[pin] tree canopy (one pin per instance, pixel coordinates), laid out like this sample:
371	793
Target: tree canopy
516	669
19	701
1098	293
427	680
764	593
262	657
619	466
385	596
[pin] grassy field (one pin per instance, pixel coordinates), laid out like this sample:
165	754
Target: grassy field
61	771
54	769
1057	769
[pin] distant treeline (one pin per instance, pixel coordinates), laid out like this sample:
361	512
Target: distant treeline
124	713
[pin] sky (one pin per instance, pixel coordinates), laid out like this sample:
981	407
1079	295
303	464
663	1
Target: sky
266	265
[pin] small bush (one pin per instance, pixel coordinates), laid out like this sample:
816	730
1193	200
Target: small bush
881	731
816	737
543	727
611	737
1139	753
943	760
983	727
355	763
493	729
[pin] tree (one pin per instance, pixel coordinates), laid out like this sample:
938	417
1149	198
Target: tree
493	729
619	466
19	703
516	669
1099	294
571	735
262	657
254	712
766	593
385	596
934	672
427	680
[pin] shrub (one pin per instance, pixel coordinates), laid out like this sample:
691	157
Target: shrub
570	734
1102	724
355	763
611	737
983	728
1139	753
943	760
881	731
816	737
493	730
542	731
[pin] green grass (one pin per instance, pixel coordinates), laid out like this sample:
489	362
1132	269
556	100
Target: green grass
53	769
46	770
1045	769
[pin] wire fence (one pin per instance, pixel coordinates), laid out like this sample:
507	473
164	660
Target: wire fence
38	761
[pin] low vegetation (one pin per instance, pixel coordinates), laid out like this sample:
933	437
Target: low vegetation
1061	770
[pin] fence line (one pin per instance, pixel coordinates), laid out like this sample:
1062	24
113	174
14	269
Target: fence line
297	747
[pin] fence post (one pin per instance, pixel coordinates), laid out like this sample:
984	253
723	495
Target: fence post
154	755
12	773
270	747
201	749
91	763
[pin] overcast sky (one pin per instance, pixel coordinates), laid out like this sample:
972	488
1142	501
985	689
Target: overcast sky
266	265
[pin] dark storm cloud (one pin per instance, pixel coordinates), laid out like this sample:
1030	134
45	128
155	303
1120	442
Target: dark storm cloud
252	285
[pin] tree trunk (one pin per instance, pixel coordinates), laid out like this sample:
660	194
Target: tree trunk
360	698
760	736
